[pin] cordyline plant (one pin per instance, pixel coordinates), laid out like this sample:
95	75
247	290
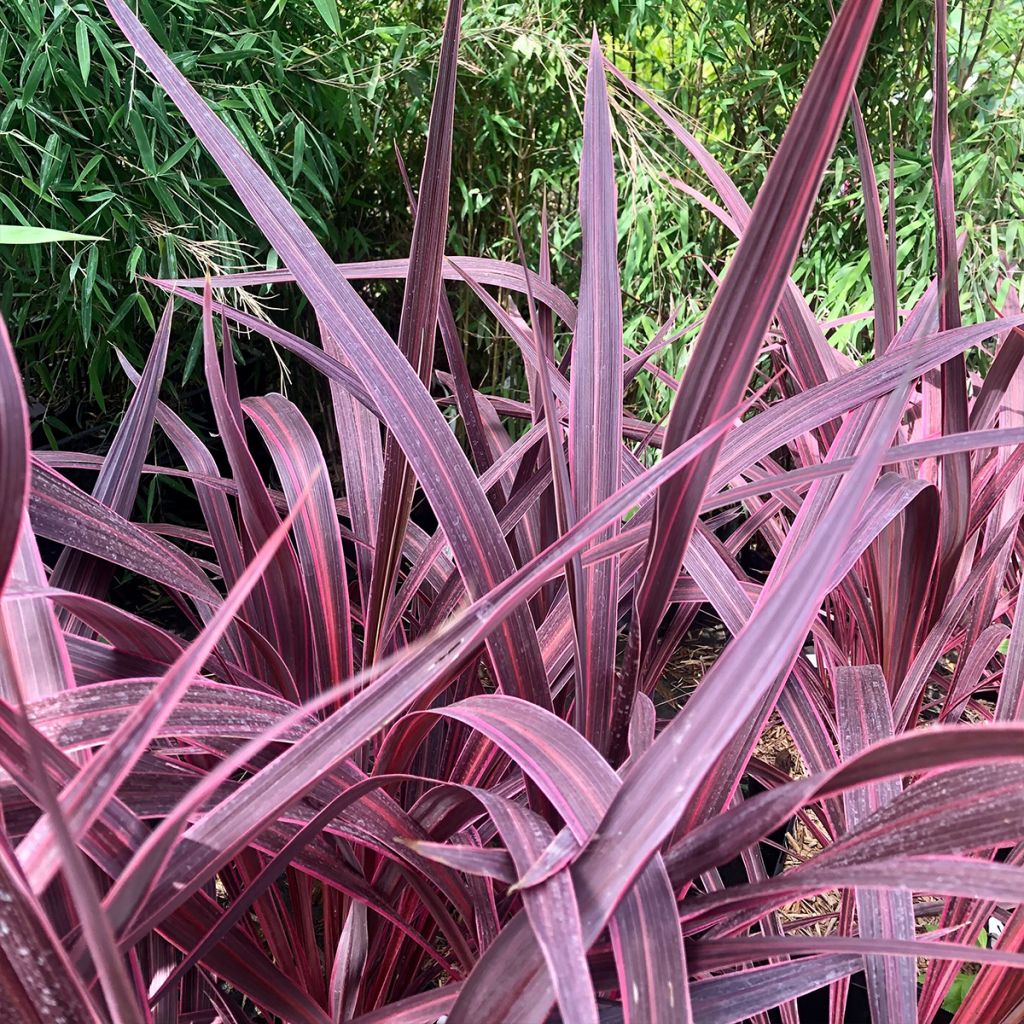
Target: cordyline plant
399	775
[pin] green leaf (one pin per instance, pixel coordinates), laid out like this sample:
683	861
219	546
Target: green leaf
329	12
142	141
86	171
19	234
82	46
299	151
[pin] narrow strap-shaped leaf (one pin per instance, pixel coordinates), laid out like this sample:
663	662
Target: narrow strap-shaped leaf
27	625
217	514
202	469
362	461
888	498
551	908
648	945
910	689
62	512
1010	701
38	983
84	799
89	715
991	400
545	510
280	599
32	625
883	282
473	860
418	1009
972	673
864	716
462	384
963	808
735	951
94	662
332	366
595	415
762	434
121	996
943	875
904	610
118	480
14	455
497	273
298	458
814	362
123	630
955	469
417	328
349	963
739	995
724	836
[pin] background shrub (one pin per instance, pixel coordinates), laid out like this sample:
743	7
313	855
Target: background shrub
321	94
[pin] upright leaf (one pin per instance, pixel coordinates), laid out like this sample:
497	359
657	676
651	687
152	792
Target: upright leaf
418	326
595	417
14	448
952	394
298	459
118	480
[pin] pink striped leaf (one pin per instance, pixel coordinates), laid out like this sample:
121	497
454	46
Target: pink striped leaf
14	455
83	800
417	328
595	416
117	484
62	512
298	459
864	716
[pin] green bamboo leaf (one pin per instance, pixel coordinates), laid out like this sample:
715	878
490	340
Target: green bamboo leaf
329	12
143	142
82	46
299	150
20	234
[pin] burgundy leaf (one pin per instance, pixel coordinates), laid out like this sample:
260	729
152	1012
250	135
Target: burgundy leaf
83	800
595	415
298	459
14	453
64	513
726	349
418	325
865	717
118	480
38	985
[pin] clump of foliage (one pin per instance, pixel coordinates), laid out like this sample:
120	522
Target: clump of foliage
392	769
319	94
89	145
